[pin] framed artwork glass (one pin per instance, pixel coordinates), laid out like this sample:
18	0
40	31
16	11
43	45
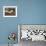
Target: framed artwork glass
9	11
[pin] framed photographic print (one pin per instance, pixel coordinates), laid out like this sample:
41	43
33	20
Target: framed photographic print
9	11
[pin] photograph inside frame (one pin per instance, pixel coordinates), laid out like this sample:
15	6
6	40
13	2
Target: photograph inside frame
10	11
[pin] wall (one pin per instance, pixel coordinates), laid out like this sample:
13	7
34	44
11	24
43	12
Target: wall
7	25
29	12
